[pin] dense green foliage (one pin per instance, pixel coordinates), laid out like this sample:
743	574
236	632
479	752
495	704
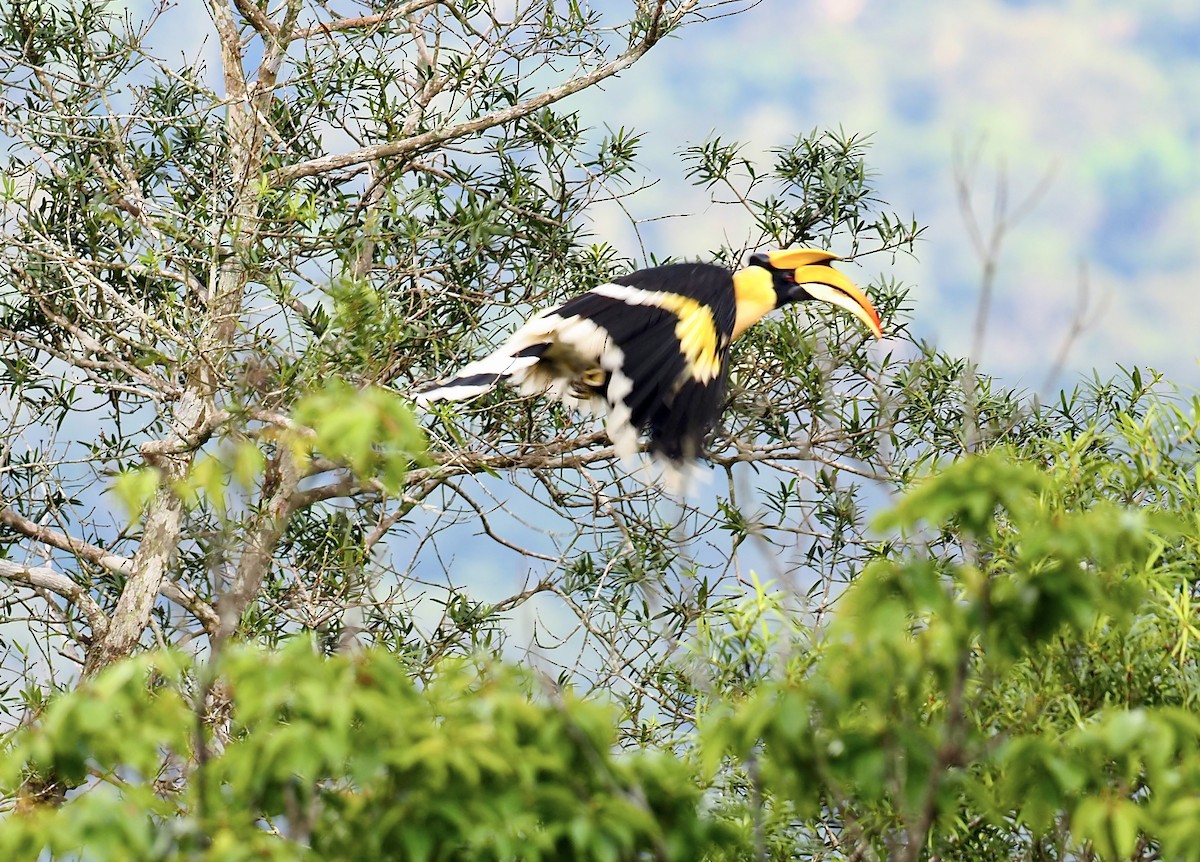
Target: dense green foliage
347	758
1025	685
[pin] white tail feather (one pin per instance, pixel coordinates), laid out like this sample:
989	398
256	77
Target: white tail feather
498	367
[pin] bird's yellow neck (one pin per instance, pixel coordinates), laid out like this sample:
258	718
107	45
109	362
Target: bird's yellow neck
754	293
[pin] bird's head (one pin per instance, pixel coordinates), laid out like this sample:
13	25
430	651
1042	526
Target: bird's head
803	274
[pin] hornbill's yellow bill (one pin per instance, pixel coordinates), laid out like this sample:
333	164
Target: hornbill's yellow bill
652	347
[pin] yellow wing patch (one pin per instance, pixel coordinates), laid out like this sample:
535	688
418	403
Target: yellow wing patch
700	343
697	333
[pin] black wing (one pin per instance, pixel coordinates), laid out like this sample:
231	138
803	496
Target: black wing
669	386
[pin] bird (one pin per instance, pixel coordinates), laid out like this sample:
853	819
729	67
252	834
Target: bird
651	348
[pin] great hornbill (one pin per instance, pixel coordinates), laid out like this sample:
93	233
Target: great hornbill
653	346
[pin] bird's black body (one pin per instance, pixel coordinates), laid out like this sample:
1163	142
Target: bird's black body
676	409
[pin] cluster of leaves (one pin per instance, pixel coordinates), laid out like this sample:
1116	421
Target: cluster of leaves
339	757
371	431
1025	686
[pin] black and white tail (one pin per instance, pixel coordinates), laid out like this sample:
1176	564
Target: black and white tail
622	351
478	377
566	356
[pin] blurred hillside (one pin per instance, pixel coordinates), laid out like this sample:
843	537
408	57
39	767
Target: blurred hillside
1099	97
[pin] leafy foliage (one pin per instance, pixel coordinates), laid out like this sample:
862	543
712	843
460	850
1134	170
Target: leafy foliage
957	706
1016	689
345	758
207	294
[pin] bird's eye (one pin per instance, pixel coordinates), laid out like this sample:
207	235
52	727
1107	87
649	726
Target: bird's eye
789	277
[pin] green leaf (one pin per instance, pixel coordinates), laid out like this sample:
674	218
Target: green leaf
248	463
135	488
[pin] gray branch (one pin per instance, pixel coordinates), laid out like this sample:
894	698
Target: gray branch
435	137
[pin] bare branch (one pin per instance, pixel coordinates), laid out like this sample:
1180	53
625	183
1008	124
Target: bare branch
254	15
260	540
1083	317
434	137
364	22
988	245
85	551
45	578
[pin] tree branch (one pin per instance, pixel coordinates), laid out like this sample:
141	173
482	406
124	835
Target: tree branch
279	487
364	21
84	550
45	578
164	515
96	555
434	137
256	17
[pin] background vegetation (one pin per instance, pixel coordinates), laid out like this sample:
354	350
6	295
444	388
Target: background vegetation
912	615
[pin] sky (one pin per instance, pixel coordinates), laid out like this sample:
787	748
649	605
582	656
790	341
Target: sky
1088	110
